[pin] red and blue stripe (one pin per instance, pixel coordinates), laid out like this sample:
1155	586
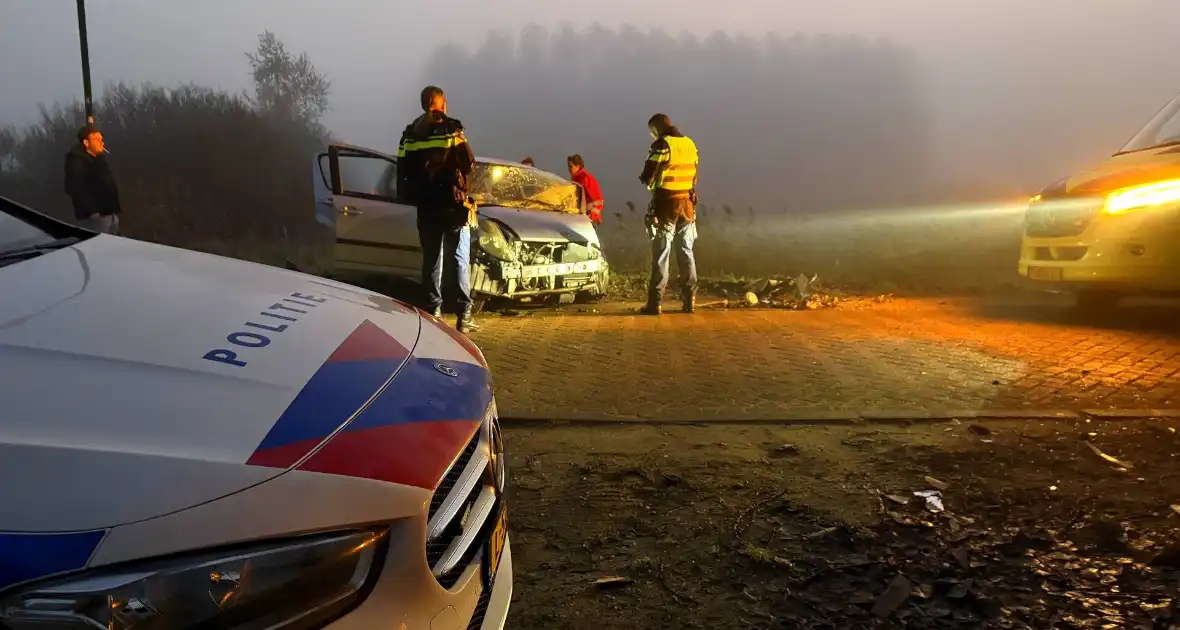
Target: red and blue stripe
25	556
408	434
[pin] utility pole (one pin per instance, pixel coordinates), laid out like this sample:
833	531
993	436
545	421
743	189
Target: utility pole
87	95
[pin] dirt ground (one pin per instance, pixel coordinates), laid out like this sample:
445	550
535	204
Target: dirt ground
761	526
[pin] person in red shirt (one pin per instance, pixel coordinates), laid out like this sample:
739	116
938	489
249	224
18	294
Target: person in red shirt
583	178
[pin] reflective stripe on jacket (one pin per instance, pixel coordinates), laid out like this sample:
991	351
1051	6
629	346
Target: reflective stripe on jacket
434	161
677	164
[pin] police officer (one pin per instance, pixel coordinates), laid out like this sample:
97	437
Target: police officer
670	172
434	164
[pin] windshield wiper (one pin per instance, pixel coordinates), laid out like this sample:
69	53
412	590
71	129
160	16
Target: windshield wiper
1169	143
36	250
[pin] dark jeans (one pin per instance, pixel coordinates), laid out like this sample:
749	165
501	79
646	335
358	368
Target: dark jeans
669	238
444	246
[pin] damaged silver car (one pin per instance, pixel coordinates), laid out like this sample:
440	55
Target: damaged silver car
534	240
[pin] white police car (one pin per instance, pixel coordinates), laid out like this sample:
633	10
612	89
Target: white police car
189	441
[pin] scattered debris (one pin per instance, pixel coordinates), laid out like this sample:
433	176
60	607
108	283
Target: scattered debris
798	293
823	532
1098	551
1106	457
888	602
941	485
765	556
933	499
1104	535
1168	558
787	449
614	580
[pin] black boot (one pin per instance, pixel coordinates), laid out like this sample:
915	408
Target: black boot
465	322
689	300
652	307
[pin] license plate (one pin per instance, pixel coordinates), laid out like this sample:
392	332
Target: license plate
544	271
1044	273
496	544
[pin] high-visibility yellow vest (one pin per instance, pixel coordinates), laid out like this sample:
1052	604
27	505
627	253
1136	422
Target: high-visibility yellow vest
677	165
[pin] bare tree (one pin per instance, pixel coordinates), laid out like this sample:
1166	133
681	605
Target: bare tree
285	85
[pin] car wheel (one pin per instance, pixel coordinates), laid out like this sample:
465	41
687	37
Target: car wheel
1097	299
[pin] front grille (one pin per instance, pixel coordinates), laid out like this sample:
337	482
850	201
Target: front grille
463	508
452	476
1069	253
1056	218
439	546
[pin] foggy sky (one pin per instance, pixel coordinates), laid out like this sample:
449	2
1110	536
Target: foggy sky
1029	89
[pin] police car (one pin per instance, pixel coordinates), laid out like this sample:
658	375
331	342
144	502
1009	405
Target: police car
190	441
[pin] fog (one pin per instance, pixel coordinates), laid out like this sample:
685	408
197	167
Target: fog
913	99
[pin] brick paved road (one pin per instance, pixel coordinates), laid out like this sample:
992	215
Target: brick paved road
912	356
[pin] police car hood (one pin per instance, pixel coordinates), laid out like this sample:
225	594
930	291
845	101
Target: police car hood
141	379
1119	171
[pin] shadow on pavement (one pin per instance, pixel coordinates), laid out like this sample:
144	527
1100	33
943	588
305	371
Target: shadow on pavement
1153	316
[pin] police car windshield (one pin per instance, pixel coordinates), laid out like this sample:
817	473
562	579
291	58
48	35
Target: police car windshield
513	186
17	234
1161	131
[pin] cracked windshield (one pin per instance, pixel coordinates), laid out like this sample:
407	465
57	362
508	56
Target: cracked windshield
819	315
524	188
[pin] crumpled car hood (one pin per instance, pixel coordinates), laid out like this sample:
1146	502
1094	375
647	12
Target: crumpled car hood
541	225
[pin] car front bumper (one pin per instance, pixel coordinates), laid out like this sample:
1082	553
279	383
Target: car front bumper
1138	251
395	602
514	281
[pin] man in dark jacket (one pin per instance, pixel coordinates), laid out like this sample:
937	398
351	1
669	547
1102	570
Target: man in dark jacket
90	183
434	164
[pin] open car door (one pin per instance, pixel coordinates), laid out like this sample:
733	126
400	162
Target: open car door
375	231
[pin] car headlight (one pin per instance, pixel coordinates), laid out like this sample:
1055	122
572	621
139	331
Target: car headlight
1145	196
289	585
493	241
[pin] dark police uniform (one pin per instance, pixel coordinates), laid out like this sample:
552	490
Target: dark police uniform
434	164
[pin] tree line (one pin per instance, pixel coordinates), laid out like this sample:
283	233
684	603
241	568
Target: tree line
793	124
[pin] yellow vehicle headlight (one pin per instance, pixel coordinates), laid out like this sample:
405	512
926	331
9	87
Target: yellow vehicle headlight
1145	196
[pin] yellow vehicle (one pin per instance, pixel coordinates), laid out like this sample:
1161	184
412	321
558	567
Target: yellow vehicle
1112	231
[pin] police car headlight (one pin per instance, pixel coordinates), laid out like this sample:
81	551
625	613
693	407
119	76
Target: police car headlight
290	585
1146	196
493	241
